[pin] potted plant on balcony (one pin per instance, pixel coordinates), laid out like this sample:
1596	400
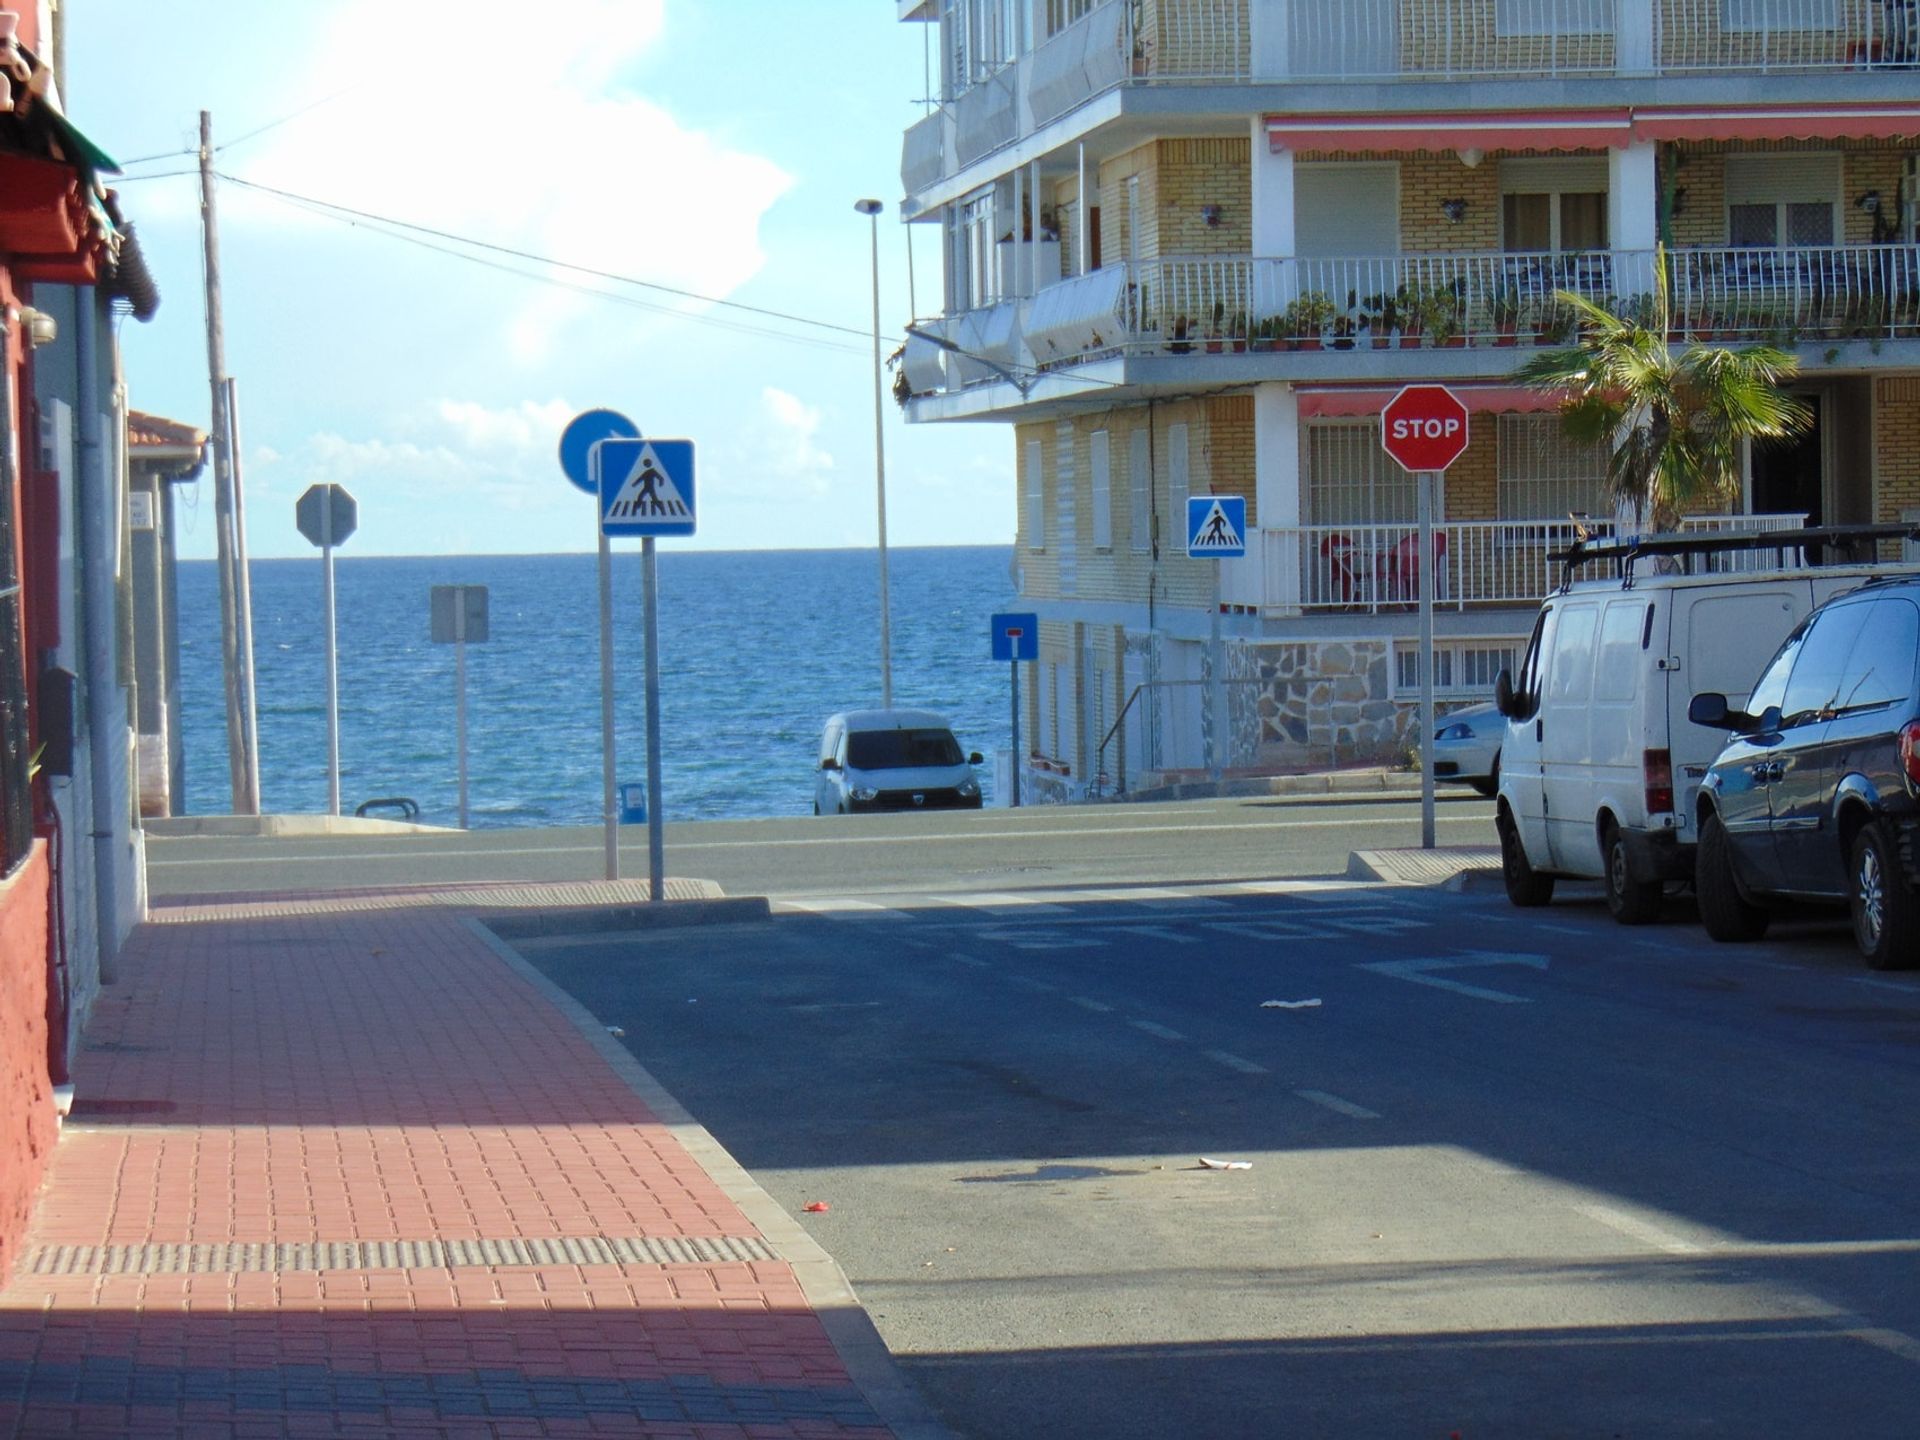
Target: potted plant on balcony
1378	316
1307	317
1443	313
1237	332
1177	342
1216	329
1503	309
1266	335
1409	314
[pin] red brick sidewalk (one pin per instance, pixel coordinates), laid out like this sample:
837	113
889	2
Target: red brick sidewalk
269	1097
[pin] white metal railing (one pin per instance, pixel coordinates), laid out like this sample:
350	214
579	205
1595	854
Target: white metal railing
1088	56
1777	35
923	153
1225	303
1193	40
1370	568
1451	39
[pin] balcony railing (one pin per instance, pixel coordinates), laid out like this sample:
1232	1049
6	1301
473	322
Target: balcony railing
1788	35
1374	568
1451	39
1197	304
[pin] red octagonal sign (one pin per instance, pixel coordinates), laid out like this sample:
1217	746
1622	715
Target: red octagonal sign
1424	427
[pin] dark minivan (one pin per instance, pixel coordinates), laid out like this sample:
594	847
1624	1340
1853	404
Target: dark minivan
1817	793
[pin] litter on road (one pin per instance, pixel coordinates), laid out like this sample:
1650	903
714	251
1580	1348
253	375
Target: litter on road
1288	1004
817	1207
1206	1164
616	1032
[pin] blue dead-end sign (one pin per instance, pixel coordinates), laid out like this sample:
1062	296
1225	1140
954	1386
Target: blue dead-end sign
646	487
585	431
1015	636
1216	526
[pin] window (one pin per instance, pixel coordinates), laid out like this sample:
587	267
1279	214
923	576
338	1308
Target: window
1621	658
902	749
1036	497
1461	670
1782	200
1546	476
1350	480
1571	674
1140	476
1552	17
1880	669
1779	14
1062	13
1557	204
1102	481
1530	681
1772	689
1814	686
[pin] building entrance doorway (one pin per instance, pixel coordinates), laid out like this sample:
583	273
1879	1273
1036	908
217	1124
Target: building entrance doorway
1788	477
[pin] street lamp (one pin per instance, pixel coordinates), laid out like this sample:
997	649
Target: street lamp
871	209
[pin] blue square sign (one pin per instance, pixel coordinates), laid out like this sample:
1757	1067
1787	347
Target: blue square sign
646	487
1216	526
1016	637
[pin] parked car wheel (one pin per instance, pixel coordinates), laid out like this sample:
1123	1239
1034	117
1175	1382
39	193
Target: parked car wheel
1490	786
1527	888
1728	915
1633	902
1886	915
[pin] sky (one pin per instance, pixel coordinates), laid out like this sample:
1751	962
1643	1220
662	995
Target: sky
710	146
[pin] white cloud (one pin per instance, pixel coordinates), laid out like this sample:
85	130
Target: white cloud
532	425
518	125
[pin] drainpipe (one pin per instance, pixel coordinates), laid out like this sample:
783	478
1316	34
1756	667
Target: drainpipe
98	495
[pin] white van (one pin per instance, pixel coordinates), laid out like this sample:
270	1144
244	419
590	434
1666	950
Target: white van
1600	765
892	760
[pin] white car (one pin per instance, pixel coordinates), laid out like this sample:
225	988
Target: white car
1466	746
892	760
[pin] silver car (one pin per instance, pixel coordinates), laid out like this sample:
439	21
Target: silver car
1466	747
892	760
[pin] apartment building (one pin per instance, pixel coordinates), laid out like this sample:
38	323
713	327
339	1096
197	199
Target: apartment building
1195	246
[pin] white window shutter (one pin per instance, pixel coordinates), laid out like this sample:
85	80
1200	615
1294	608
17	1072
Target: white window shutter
1140	474
1102	483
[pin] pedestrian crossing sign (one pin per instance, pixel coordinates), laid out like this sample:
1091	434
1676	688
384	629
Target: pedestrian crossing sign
646	487
1216	526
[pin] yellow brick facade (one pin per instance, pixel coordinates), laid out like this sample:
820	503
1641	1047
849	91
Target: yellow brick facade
1897	447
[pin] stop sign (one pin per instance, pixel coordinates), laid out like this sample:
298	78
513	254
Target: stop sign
1424	427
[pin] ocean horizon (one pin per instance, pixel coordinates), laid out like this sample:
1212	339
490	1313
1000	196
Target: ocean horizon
757	648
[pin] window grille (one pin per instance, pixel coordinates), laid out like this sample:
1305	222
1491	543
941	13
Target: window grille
1546	476
1350	480
1462	670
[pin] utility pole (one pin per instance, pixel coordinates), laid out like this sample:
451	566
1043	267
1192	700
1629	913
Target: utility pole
240	769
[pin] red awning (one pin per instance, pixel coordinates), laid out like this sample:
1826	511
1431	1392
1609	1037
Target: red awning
1335	402
1508	130
1888	120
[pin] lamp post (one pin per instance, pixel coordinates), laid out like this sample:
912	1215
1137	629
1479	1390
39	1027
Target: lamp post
871	209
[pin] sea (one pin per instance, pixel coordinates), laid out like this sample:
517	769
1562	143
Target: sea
756	650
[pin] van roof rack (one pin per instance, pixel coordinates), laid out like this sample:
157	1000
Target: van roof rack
1838	544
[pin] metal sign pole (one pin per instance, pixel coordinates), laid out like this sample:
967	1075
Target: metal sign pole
1425	568
1216	692
610	816
656	834
460	704
333	666
1015	766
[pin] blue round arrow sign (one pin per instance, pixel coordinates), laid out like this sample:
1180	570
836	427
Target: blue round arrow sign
585	431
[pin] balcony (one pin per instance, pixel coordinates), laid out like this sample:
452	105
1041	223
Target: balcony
1375	569
1238	305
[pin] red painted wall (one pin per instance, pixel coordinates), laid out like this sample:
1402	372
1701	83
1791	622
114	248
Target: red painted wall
27	1127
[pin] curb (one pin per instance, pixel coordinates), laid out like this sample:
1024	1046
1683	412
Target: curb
668	914
870	1365
281	827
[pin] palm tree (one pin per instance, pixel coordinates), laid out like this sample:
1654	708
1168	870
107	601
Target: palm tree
1674	420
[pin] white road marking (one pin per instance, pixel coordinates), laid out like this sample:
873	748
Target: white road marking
1002	904
1234	1062
825	1005
842	907
1638	1229
681	846
1892	1341
1379	924
972	960
1265	930
1561	929
1158	898
1094	1005
1418	971
1337	1105
1155	1029
1034	939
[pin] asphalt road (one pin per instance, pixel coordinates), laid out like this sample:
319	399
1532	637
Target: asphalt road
1203	840
1514	1175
